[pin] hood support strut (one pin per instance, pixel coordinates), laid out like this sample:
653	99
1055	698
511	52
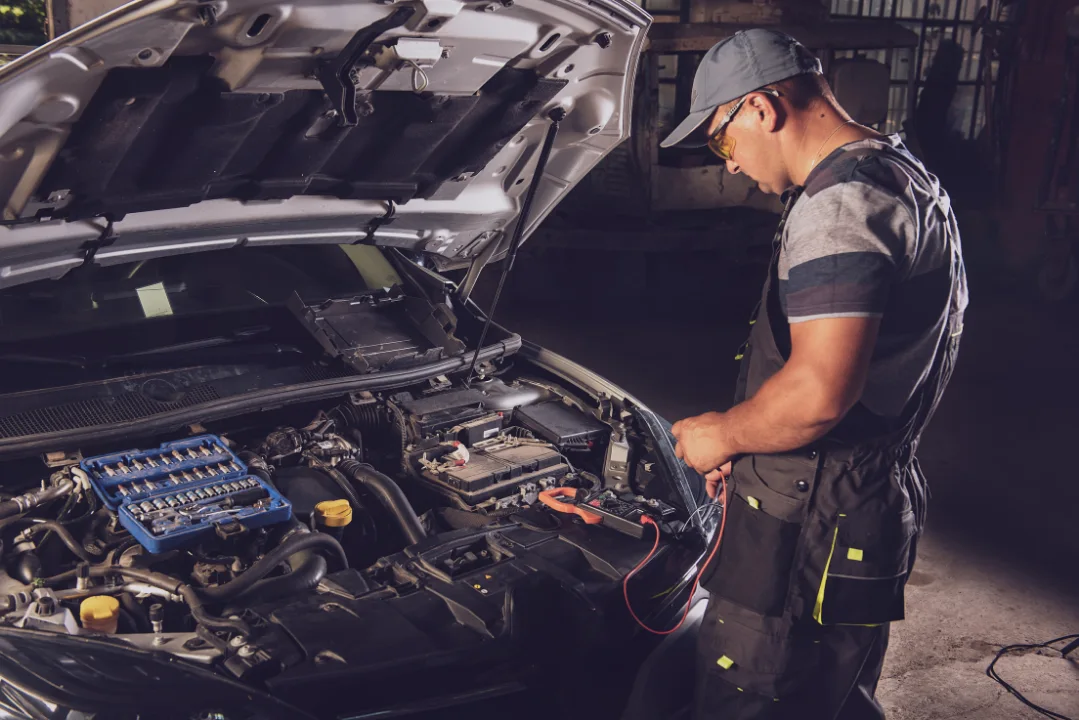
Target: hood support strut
557	116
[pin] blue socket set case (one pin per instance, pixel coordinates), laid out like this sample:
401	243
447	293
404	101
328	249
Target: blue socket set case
183	492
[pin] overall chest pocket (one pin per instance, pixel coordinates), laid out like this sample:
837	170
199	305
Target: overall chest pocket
753	564
867	568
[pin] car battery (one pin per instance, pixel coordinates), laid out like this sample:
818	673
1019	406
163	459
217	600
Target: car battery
496	469
184	491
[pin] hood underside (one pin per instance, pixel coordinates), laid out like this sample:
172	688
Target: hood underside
171	126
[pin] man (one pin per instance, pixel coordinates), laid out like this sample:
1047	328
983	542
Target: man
850	350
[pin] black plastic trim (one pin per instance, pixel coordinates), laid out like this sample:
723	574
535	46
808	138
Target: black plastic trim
219	409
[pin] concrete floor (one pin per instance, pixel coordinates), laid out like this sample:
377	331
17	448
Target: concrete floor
998	564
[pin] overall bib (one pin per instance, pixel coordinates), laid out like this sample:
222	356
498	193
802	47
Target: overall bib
818	545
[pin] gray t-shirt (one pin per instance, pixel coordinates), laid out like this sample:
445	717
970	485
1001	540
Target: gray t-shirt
871	236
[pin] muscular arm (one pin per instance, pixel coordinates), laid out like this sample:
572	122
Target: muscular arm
820	383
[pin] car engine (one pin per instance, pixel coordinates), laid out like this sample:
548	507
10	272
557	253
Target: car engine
198	544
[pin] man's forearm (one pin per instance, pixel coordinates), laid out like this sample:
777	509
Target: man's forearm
790	410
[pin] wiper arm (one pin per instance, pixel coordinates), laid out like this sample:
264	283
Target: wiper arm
204	356
74	361
206	350
238	336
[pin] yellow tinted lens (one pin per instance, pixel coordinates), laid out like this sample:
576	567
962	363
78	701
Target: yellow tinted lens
722	146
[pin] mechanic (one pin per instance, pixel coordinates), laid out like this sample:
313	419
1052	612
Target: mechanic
852	345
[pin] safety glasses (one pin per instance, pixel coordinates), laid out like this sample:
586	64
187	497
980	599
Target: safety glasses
719	142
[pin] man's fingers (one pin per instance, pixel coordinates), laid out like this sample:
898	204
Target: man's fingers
676	429
678	452
714	476
711	484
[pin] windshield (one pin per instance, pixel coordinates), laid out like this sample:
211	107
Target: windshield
177	311
164	290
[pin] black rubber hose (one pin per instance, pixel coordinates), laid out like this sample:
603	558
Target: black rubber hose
9	508
194	603
269	562
344	484
257	466
138	612
303	578
375	421
164	582
389	495
30	500
63	533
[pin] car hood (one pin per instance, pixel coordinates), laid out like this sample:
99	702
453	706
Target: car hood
171	126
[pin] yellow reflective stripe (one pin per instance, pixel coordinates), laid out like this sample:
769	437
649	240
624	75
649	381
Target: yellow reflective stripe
739	356
753	502
725	662
819	606
855	554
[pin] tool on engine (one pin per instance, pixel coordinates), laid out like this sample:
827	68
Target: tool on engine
617	514
564	500
606	508
175	495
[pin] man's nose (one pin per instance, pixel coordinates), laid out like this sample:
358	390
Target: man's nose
733	168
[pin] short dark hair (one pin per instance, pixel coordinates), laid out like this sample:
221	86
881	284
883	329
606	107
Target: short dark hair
801	90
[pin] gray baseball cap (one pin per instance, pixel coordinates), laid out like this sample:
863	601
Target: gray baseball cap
744	62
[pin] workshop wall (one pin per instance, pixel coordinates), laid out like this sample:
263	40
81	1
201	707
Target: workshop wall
758	12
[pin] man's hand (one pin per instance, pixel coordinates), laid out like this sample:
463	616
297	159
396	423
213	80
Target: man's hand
712	479
702	441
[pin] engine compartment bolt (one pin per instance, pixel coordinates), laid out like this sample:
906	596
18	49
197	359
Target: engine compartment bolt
208	15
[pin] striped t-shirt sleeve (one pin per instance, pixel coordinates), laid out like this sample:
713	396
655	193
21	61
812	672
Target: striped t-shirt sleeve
842	252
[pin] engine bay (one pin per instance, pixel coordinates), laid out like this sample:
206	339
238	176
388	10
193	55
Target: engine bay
420	532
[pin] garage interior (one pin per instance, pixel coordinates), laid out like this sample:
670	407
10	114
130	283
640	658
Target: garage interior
996	566
986	93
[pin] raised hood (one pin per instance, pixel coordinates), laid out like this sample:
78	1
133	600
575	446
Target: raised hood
171	126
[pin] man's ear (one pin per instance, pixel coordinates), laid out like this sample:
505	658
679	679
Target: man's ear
767	111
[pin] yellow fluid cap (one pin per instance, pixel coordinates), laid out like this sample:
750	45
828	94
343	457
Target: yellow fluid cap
333	513
100	612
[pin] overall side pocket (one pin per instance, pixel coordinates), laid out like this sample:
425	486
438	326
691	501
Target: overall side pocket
753	564
867	569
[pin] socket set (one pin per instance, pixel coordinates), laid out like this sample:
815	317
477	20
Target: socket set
183	491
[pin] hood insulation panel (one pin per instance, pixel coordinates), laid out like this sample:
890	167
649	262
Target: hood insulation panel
156	138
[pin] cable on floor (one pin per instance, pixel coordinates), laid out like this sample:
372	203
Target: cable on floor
992	672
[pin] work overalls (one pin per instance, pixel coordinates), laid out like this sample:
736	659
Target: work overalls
818	544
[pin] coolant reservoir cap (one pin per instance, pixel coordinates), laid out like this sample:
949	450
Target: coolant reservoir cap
100	612
333	513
